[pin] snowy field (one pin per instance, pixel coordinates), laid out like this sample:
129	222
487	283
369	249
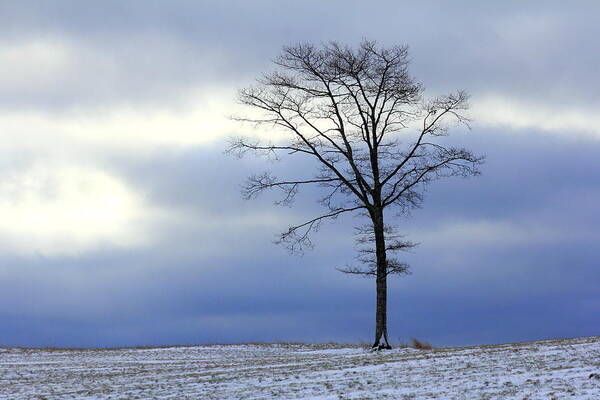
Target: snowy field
555	369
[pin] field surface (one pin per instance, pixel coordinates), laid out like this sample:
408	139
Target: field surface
554	369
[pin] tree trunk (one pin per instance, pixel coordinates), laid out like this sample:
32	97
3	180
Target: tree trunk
381	336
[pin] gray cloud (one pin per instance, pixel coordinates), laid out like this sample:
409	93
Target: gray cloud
144	52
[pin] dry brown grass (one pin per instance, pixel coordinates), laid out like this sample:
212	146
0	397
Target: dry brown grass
416	344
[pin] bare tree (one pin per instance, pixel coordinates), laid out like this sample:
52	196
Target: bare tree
376	142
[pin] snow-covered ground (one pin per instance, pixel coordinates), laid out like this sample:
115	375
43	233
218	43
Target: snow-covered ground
554	369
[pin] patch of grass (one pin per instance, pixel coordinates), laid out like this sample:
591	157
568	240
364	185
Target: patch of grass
416	344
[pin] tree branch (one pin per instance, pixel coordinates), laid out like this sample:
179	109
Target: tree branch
297	238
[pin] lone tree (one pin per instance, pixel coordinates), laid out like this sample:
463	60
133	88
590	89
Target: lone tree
375	141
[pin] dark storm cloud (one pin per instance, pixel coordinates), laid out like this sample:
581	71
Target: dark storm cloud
511	255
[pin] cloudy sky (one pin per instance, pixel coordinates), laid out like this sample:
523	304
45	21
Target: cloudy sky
121	220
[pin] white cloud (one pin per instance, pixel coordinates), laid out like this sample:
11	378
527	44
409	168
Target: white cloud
61	73
61	96
74	205
36	64
67	209
560	119
61	200
136	129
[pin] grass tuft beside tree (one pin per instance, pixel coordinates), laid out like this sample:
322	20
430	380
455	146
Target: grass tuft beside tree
374	138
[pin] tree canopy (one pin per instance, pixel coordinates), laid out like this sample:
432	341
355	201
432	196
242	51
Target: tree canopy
374	137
